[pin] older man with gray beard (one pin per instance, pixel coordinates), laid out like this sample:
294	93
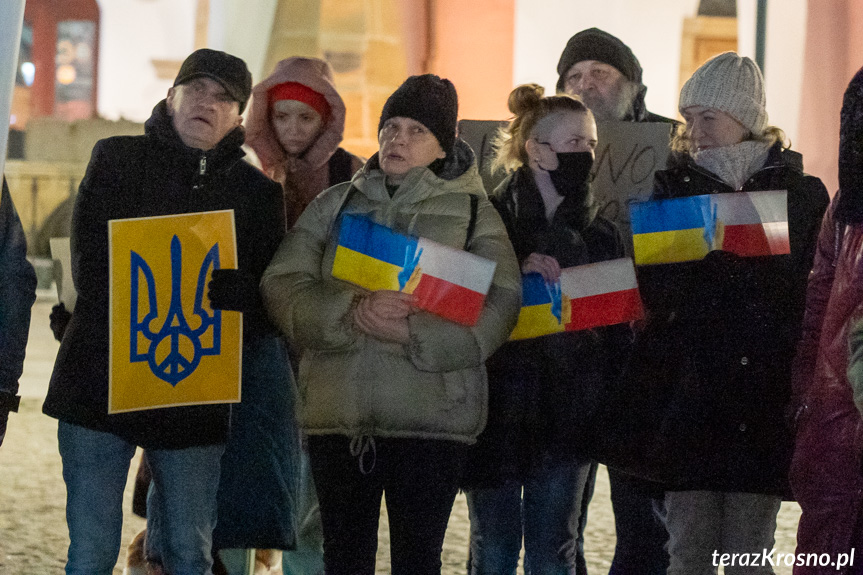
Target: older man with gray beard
606	75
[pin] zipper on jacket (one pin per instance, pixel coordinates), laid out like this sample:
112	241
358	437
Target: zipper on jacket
202	171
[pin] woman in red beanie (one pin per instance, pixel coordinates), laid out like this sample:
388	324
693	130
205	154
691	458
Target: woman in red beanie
295	125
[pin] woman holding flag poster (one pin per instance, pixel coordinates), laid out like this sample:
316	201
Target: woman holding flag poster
722	328
391	396
542	388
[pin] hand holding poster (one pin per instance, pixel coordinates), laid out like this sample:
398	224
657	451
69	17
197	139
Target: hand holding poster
168	347
61	254
592	295
445	281
687	229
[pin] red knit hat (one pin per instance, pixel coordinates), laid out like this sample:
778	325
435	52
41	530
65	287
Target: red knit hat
300	93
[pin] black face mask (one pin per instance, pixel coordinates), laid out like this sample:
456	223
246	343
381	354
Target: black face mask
573	170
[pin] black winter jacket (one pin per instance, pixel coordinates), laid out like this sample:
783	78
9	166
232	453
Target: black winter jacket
542	391
17	293
715	355
151	175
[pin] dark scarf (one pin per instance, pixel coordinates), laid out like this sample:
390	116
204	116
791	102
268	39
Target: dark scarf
560	238
849	209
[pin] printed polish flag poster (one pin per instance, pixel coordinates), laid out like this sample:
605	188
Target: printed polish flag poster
687	229
592	295
445	281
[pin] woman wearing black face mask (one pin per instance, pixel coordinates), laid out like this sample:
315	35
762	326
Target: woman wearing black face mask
540	390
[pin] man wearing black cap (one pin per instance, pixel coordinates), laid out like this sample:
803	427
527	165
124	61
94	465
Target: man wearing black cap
189	160
606	74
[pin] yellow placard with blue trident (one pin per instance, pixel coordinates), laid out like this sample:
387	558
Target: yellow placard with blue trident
168	347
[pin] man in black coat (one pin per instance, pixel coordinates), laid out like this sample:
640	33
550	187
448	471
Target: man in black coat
602	70
17	293
189	160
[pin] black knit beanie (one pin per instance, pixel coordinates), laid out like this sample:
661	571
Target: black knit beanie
431	101
849	207
596	44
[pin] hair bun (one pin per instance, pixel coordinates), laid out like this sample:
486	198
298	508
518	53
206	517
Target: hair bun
524	98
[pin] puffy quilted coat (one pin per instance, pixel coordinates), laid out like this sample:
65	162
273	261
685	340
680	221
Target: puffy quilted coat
355	385
826	475
826	471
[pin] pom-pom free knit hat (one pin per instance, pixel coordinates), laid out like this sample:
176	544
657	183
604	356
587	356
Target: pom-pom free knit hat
431	101
301	93
599	45
227	70
732	84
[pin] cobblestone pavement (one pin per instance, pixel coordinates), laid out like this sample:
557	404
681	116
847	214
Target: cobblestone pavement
33	535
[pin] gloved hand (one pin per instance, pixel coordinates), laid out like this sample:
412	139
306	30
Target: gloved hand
8	402
4	417
234	290
59	320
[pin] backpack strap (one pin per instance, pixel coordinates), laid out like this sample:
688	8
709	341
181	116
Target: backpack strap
471	225
340	167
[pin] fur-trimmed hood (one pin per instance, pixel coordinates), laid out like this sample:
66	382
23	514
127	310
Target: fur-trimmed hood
312	73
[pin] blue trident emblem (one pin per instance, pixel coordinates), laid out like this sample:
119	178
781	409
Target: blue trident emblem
175	335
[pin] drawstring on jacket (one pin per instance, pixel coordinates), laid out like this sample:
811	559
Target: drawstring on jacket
360	446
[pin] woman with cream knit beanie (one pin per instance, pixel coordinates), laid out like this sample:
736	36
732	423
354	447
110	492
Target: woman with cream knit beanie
721	331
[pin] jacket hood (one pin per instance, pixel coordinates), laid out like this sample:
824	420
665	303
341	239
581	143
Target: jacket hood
850	204
312	73
458	173
160	126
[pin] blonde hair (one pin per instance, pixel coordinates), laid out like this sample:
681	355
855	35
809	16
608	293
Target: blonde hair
681	142
529	107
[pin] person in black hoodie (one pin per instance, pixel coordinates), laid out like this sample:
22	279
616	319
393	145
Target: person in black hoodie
189	160
541	390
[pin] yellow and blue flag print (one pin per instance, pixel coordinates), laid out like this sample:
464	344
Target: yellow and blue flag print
448	282
168	347
686	229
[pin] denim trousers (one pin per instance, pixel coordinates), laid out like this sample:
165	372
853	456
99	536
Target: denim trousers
418	479
181	505
703	523
545	510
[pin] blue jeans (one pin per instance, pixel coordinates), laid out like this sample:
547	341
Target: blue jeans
181	506
547	514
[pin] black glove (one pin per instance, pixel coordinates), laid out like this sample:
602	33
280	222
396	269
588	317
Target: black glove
59	320
234	290
4	417
8	402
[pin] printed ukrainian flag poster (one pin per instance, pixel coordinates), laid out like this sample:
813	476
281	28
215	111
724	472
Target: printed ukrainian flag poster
445	281
686	229
168	347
